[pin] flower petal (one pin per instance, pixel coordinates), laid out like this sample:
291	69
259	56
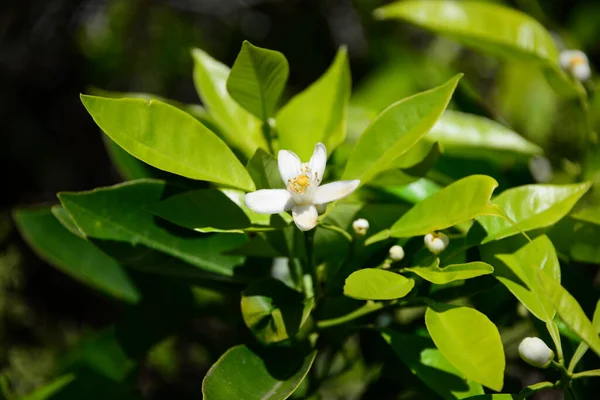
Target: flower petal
305	217
289	165
335	191
269	201
317	162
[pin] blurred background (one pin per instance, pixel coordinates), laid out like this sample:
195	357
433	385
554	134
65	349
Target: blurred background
53	50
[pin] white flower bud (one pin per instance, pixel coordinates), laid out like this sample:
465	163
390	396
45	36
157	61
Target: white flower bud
576	63
436	242
534	351
360	226
396	253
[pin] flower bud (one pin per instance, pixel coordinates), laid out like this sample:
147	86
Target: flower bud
360	226
396	253
436	242
534	351
576	63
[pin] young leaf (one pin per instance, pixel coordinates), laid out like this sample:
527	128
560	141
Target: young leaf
239	128
395	130
532	207
273	311
516	264
318	114
118	214
583	347
461	201
73	255
428	363
451	273
241	373
469	341
168	139
570	312
257	79
466	135
377	284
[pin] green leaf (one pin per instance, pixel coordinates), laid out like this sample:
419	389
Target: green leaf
73	255
570	312
239	128
583	347
469	341
475	24
377	284
51	389
318	114
129	167
168	139
498	396
264	171
434	274
257	79
428	363
589	214
241	373
215	210
395	130
516	264
461	201
532	207
65	219
472	136
273	311
118	214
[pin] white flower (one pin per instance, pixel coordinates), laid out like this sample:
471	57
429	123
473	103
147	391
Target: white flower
396	253
534	351
576	62
436	242
303	192
360	226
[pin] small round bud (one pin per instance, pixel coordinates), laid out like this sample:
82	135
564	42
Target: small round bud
576	63
360	226
436	242
534	352
396	253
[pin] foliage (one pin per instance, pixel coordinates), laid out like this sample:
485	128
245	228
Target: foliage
178	228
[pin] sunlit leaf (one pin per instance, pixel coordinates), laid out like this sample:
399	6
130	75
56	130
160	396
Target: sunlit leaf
395	130
377	284
469	341
168	139
450	273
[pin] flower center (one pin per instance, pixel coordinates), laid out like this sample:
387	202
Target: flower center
299	184
577	60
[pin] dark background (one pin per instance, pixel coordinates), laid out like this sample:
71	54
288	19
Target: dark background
53	50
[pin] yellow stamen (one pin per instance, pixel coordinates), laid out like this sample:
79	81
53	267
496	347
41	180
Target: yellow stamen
577	60
299	184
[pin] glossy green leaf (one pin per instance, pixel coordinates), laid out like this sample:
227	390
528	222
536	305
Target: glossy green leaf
318	114
73	255
467	135
475	24
461	201
469	341
129	167
273	311
570	312
516	263
239	127
264	171
257	79
241	373
395	130
168	139
215	210
118	214
377	284
583	347
65	219
428	363
450	273
532	207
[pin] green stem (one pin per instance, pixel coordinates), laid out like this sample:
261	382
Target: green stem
532	389
555	335
337	229
368	308
593	372
311	269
